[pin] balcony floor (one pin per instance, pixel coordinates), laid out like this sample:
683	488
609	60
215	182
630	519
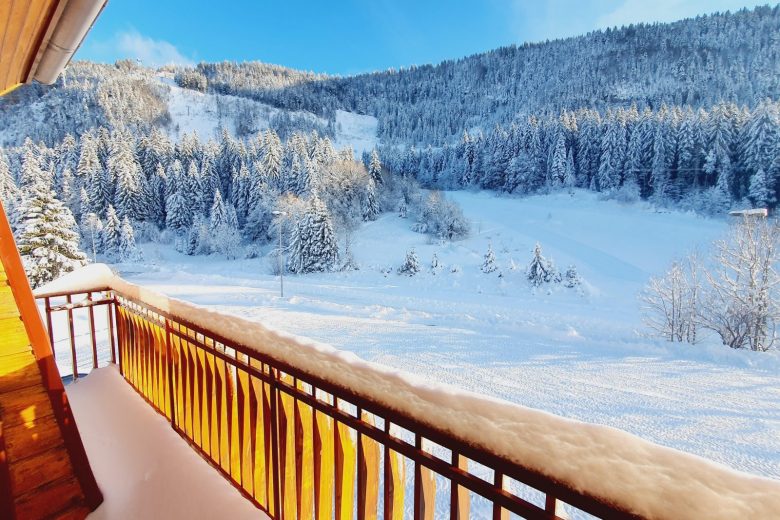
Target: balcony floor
143	467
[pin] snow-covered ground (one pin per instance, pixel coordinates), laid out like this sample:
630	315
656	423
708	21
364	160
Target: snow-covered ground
141	465
205	113
356	131
579	356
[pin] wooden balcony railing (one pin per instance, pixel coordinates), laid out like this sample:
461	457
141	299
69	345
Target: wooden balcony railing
298	445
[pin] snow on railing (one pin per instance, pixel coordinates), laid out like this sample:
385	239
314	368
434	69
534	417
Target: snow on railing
280	416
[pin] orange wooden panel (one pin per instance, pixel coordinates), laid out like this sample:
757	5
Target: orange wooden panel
461	497
426	490
257	419
304	464
395	475
345	471
368	483
287	453
324	467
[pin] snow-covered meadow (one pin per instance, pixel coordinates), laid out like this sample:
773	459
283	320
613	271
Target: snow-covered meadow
582	356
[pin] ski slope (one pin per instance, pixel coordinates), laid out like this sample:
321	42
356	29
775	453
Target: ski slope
206	113
579	356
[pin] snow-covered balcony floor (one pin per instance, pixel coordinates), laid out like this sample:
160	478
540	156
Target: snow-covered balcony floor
142	466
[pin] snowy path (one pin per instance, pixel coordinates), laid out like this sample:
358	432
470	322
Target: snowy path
579	357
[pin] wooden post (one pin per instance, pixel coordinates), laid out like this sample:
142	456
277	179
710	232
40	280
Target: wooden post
499	513
304	463
74	363
459	498
368	473
424	488
345	469
394	481
324	467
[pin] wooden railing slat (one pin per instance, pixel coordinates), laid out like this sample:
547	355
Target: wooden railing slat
324	466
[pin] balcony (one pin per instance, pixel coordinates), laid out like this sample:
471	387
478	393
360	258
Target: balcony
305	431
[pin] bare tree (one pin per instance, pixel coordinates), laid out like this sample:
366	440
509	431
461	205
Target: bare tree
670	303
741	301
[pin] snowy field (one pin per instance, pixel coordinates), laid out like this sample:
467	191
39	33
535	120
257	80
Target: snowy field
193	111
579	356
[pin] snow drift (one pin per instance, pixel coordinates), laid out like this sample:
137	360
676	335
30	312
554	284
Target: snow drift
647	479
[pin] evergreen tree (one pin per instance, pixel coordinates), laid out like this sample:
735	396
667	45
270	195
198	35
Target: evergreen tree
489	263
128	252
557	171
218	214
48	241
9	193
177	213
375	167
111	233
572	279
369	204
541	270
411	265
313	245
92	234
760	192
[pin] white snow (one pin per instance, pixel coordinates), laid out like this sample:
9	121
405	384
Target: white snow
356	131
143	467
576	356
193	111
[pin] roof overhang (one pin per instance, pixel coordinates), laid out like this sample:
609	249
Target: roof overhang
39	37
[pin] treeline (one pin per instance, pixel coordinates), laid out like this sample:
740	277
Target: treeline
224	196
704	160
697	62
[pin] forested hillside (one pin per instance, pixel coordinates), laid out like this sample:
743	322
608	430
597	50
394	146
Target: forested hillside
695	62
684	114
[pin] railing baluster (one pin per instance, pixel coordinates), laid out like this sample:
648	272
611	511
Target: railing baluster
49	328
499	513
324	466
74	362
345	452
368	473
276	509
424	488
459	498
91	311
304	449
110	311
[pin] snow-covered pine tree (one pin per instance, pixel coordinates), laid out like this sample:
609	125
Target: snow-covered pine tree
313	245
760	192
375	167
489	262
411	265
369	204
92	234
126	172
9	193
128	251
218	216
572	279
111	232
557	171
177	214
541	270
48	240
569	174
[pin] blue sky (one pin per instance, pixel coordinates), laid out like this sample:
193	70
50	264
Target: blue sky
350	36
